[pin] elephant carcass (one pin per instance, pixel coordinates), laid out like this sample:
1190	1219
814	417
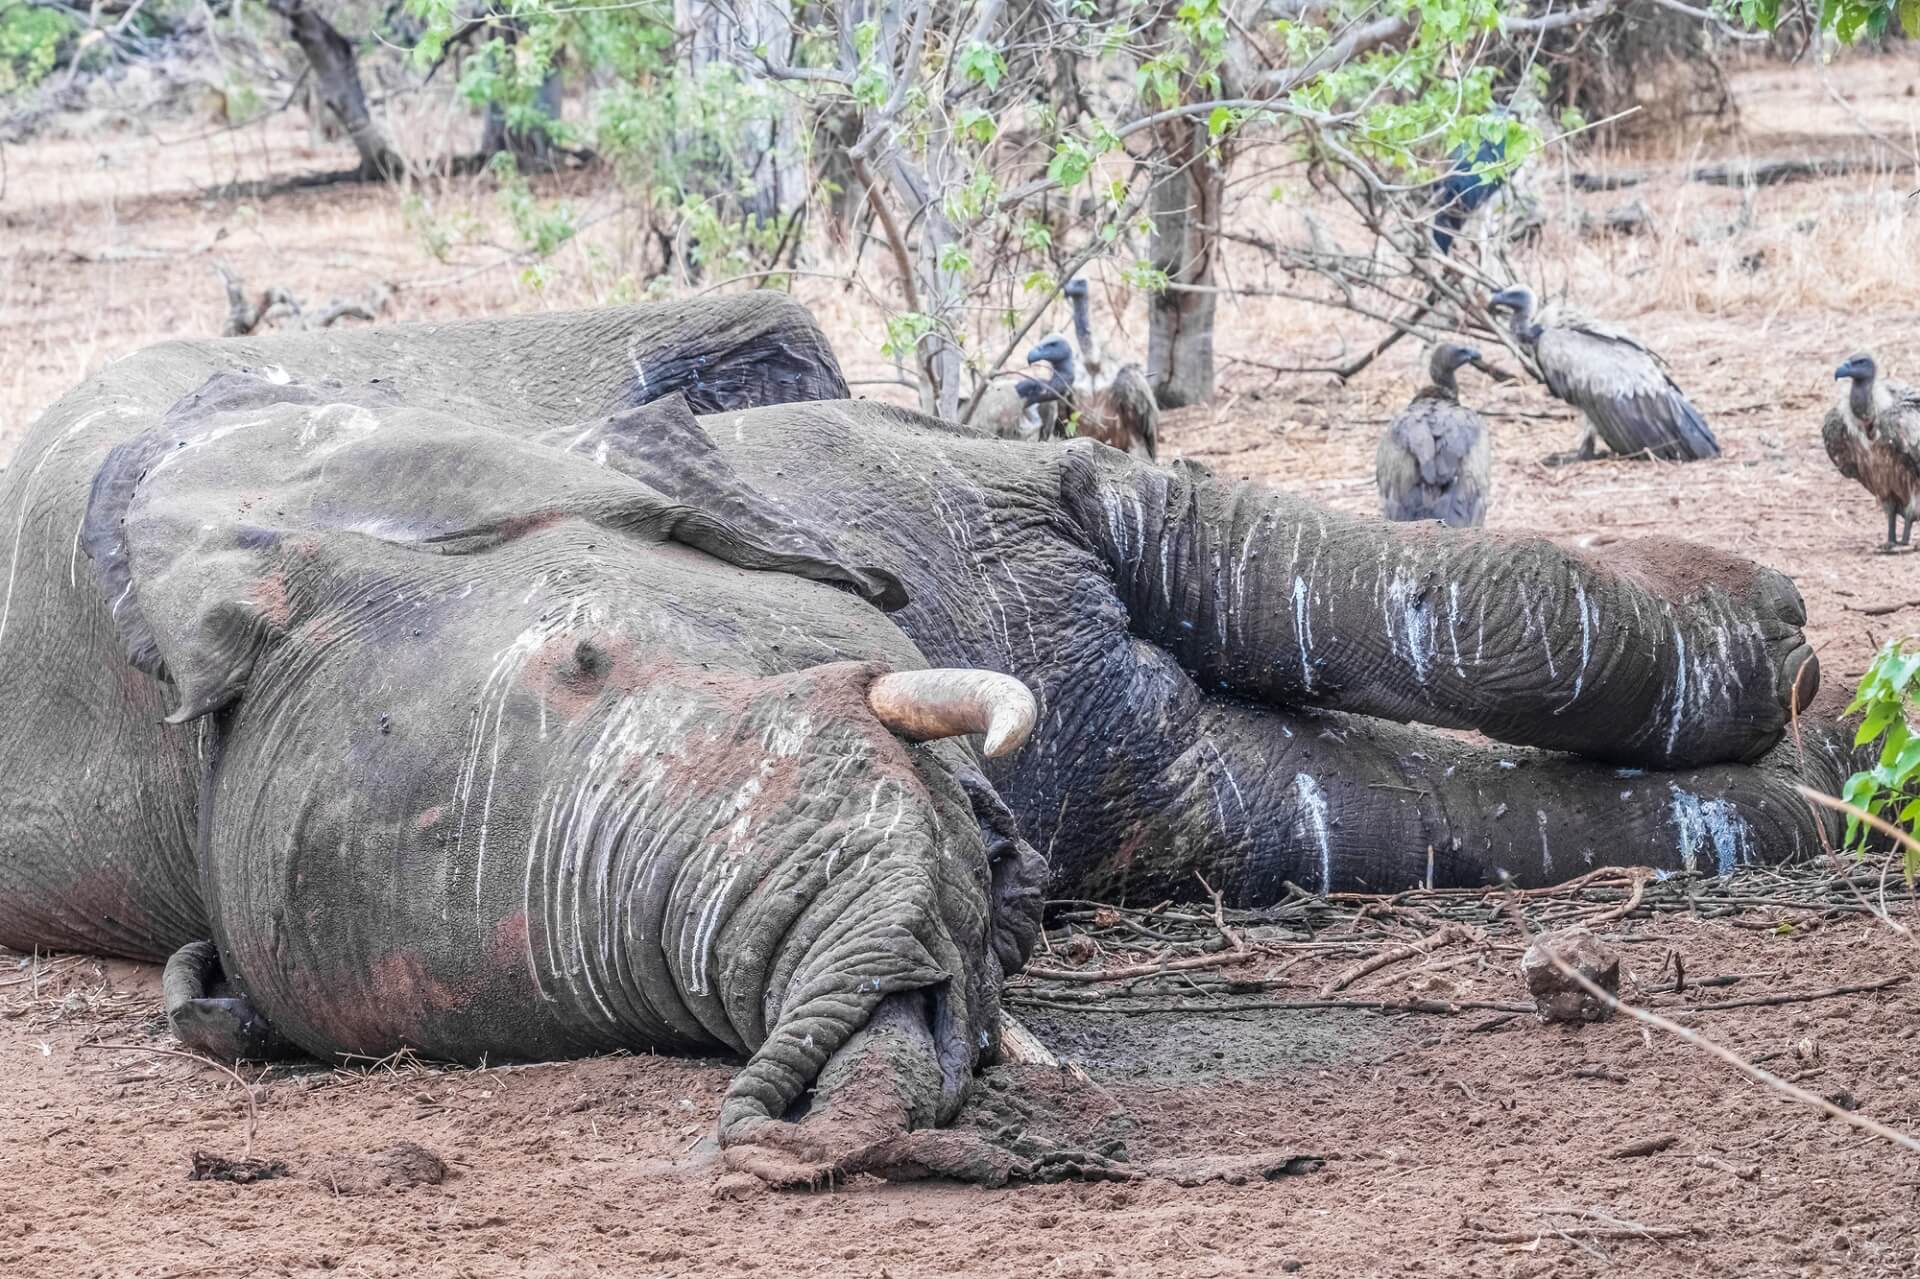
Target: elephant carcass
529	748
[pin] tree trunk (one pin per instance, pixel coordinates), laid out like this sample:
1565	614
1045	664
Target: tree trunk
1185	207
336	71
767	152
533	150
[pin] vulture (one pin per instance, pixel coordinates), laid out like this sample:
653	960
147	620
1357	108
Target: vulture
1624	389
1119	409
1873	436
1014	410
1435	461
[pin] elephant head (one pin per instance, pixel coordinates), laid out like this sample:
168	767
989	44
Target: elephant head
528	747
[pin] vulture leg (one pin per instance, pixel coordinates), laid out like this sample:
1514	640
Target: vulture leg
1893	521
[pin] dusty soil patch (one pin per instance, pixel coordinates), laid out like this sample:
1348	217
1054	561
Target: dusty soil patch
1441	1137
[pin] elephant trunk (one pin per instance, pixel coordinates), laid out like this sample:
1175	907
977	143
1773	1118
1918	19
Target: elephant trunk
1664	655
924	706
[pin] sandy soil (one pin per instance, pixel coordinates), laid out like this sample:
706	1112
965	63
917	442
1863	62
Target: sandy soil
1431	1135
1434	1133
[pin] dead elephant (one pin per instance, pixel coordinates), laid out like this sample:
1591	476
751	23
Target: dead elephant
512	712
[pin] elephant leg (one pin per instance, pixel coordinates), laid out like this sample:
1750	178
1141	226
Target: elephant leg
1255	800
1654	654
207	1017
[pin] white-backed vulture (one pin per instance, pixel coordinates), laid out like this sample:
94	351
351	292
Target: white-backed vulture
1435	462
1624	389
1873	436
1117	409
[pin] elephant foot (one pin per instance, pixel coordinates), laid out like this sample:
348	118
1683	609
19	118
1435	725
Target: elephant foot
1721	708
206	1016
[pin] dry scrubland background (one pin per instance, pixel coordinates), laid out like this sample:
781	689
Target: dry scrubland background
1452	1151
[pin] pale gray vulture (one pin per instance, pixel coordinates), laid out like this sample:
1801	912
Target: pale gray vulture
1629	398
1873	436
1435	461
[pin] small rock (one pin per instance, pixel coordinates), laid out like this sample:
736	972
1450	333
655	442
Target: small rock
1556	996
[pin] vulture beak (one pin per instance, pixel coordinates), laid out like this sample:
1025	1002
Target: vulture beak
1850	369
1504	300
1470	356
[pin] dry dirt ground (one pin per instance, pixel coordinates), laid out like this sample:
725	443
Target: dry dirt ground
1448	1149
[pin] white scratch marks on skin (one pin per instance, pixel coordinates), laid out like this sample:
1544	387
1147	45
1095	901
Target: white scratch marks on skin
1406	604
1700	824
1453	626
1586	644
1303	631
1546	853
1310	821
1679	687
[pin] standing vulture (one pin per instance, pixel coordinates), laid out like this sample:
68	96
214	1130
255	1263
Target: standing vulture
1873	436
1623	388
1119	410
1435	461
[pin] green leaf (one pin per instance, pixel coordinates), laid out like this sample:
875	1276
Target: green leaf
1910	17
982	64
1219	120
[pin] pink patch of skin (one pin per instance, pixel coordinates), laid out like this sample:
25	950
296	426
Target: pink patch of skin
510	941
429	819
270	597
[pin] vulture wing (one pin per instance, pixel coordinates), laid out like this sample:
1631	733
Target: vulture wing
1843	443
1133	404
1625	391
1435	463
1896	433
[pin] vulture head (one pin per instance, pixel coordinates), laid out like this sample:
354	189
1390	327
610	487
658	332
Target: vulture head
1056	351
1858	368
1076	288
1861	371
1518	300
1446	358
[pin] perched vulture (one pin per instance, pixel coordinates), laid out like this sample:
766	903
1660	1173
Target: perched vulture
1117	409
1873	436
1435	461
1624	389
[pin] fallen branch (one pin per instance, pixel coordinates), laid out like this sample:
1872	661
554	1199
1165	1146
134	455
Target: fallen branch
1881	610
1218	960
1802	997
1426	945
1586	1232
1437	1007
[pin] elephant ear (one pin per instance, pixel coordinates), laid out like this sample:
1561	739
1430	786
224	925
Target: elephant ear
103	532
663	447
255	503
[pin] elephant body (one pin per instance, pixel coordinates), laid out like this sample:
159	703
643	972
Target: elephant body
519	713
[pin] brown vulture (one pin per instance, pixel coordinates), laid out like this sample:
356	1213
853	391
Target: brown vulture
1624	389
1435	461
1873	436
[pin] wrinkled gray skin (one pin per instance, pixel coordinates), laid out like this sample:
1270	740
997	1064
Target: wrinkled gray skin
409	830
